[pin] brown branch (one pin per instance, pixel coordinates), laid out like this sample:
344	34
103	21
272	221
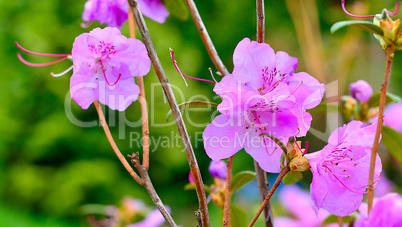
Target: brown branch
113	144
271	192
260	21
199	185
226	207
389	54
206	39
143	104
151	190
263	188
262	182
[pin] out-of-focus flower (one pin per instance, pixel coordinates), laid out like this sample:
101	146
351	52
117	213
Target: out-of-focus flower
340	169
384	186
392	116
154	219
154	9
105	63
111	12
386	212
115	12
361	90
218	169
263	95
298	203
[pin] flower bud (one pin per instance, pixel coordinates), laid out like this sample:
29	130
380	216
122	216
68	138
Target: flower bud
299	164
293	150
361	90
218	169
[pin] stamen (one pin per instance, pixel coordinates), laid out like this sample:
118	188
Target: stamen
352	15
305	148
104	74
62	73
39	64
301	82
40	54
397	4
344	185
210	70
83	25
178	70
265	144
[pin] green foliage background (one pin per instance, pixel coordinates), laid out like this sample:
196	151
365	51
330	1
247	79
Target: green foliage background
50	167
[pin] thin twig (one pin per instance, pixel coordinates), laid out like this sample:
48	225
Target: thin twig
206	39
271	192
151	190
199	185
226	214
113	144
340	221
262	182
263	188
260	21
389	54
143	104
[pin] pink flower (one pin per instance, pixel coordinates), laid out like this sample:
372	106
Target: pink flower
262	95
112	12
392	116
386	212
298	204
105	63
115	12
361	90
154	9
218	169
341	169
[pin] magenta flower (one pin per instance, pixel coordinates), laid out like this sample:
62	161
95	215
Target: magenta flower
386	212
262	95
361	90
392	116
105	63
154	219
298	204
115	12
218	169
112	12
154	9
341	169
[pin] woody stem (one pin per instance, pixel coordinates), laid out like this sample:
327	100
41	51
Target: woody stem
192	161
271	192
389	55
226	214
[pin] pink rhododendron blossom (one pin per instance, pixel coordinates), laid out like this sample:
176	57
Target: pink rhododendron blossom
262	95
361	90
392	116
112	12
154	219
115	12
105	63
341	169
298	203
154	9
218	169
386	212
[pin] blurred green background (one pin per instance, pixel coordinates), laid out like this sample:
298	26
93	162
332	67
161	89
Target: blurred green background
50	167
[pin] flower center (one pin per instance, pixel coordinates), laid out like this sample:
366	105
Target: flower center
102	50
271	79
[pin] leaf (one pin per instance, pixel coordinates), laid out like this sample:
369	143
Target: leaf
278	142
334	219
190	186
240	179
192	104
391	140
325	107
177	8
93	209
365	25
375	99
292	177
238	217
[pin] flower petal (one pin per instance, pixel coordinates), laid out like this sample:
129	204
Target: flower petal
120	95
153	9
